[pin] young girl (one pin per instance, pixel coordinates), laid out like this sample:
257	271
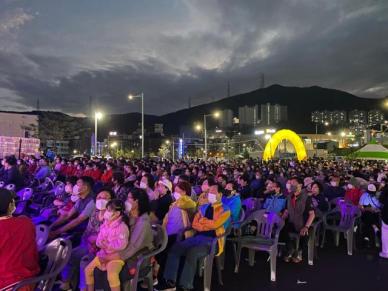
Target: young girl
112	238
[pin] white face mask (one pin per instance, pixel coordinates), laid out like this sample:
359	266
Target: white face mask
176	195
128	206
333	183
212	198
101	204
76	190
74	198
176	180
350	186
68	189
288	186
143	185
108	215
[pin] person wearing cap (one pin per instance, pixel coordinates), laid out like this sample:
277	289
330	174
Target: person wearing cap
161	205
18	251
370	207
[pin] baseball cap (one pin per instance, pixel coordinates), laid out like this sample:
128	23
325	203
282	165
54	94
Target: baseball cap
166	183
372	188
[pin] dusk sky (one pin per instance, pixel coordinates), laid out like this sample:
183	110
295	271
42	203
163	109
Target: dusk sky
65	51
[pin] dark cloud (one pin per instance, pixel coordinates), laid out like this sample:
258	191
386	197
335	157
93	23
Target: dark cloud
300	43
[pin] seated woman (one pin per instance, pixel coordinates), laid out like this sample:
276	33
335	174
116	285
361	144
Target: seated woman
18	251
112	238
318	200
84	253
141	237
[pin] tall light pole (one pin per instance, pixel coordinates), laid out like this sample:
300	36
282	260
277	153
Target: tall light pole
97	116
215	115
141	96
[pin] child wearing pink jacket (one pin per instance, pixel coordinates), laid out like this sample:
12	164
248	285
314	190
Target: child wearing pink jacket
112	238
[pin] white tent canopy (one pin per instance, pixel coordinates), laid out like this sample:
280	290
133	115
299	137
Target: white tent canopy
372	152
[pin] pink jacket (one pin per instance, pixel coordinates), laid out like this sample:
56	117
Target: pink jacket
113	237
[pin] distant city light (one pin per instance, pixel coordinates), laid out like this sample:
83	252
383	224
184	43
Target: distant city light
329	133
218	130
270	130
113	133
343	134
98	115
259	132
113	144
267	136
216	114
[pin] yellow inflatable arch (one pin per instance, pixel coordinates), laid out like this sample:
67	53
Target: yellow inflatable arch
278	137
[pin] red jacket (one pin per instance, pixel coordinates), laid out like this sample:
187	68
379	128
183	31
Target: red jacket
96	174
107	177
353	195
18	252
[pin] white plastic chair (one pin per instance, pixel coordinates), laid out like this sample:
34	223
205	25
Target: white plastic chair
42	233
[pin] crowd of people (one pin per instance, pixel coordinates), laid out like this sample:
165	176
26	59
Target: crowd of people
108	208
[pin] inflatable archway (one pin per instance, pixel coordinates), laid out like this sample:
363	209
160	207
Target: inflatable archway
278	137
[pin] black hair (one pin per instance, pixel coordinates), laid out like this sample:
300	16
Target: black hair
72	180
141	196
119	177
244	178
88	180
109	190
150	180
298	180
118	205
185	186
6	197
11	160
277	185
320	187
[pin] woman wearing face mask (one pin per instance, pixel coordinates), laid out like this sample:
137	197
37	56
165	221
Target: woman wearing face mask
141	238
112	238
18	251
318	200
86	251
147	183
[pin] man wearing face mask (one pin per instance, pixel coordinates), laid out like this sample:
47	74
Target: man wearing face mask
300	215
18	252
77	218
275	201
210	221
231	199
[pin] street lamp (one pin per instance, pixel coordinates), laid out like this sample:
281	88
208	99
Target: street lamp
215	115
141	96
97	116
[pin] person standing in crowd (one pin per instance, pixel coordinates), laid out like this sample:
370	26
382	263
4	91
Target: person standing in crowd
210	221
384	223
18	251
300	215
370	208
78	216
112	238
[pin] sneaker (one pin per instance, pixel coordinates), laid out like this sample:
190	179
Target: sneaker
165	285
287	259
297	260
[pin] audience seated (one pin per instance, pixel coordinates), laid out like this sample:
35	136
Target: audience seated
18	251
